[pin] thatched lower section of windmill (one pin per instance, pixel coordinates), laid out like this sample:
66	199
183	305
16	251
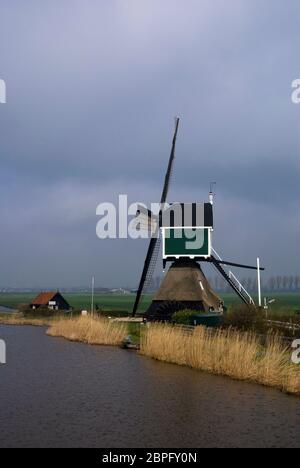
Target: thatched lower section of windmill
184	287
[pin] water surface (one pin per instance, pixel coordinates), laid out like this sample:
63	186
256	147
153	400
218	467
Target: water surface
54	393
6	309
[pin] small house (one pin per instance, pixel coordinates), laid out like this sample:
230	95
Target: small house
51	300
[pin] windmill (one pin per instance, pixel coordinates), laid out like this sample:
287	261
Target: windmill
185	232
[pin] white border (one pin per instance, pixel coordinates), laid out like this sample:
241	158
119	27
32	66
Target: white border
164	256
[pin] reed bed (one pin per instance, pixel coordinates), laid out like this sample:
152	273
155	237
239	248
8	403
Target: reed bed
20	320
224	352
91	330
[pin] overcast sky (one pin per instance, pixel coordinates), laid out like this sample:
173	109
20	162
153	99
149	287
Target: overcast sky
92	90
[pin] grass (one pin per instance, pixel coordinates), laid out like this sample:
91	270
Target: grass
91	330
286	304
225	352
80	301
19	319
230	353
134	330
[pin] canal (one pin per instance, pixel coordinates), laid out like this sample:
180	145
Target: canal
54	393
6	309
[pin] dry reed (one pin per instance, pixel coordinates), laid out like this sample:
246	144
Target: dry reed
20	320
91	330
224	352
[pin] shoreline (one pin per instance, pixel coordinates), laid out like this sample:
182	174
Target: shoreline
7	310
233	354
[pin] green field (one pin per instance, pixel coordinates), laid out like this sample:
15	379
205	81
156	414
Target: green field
81	301
285	303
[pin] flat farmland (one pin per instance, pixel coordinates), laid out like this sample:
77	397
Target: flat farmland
285	303
118	302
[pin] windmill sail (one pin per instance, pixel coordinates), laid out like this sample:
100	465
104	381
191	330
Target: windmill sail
145	220
153	248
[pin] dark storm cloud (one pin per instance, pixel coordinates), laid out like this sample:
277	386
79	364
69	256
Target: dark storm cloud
92	87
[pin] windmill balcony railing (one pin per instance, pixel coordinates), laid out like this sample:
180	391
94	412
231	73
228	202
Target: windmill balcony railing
240	286
233	278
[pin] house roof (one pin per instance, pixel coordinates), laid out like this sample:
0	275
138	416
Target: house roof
44	298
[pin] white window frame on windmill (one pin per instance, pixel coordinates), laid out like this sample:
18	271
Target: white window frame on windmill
188	255
184	224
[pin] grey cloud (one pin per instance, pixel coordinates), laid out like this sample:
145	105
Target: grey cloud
92	88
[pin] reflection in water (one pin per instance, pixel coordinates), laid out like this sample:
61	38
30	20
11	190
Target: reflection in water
61	394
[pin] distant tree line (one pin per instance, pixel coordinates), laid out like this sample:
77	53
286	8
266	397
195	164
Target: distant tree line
279	283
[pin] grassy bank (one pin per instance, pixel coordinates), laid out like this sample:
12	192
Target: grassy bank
230	353
19	319
226	352
98	331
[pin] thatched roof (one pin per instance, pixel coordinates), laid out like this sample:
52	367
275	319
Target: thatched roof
186	282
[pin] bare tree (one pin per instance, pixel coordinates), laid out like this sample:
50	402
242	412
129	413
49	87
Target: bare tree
291	283
278	283
285	282
272	284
